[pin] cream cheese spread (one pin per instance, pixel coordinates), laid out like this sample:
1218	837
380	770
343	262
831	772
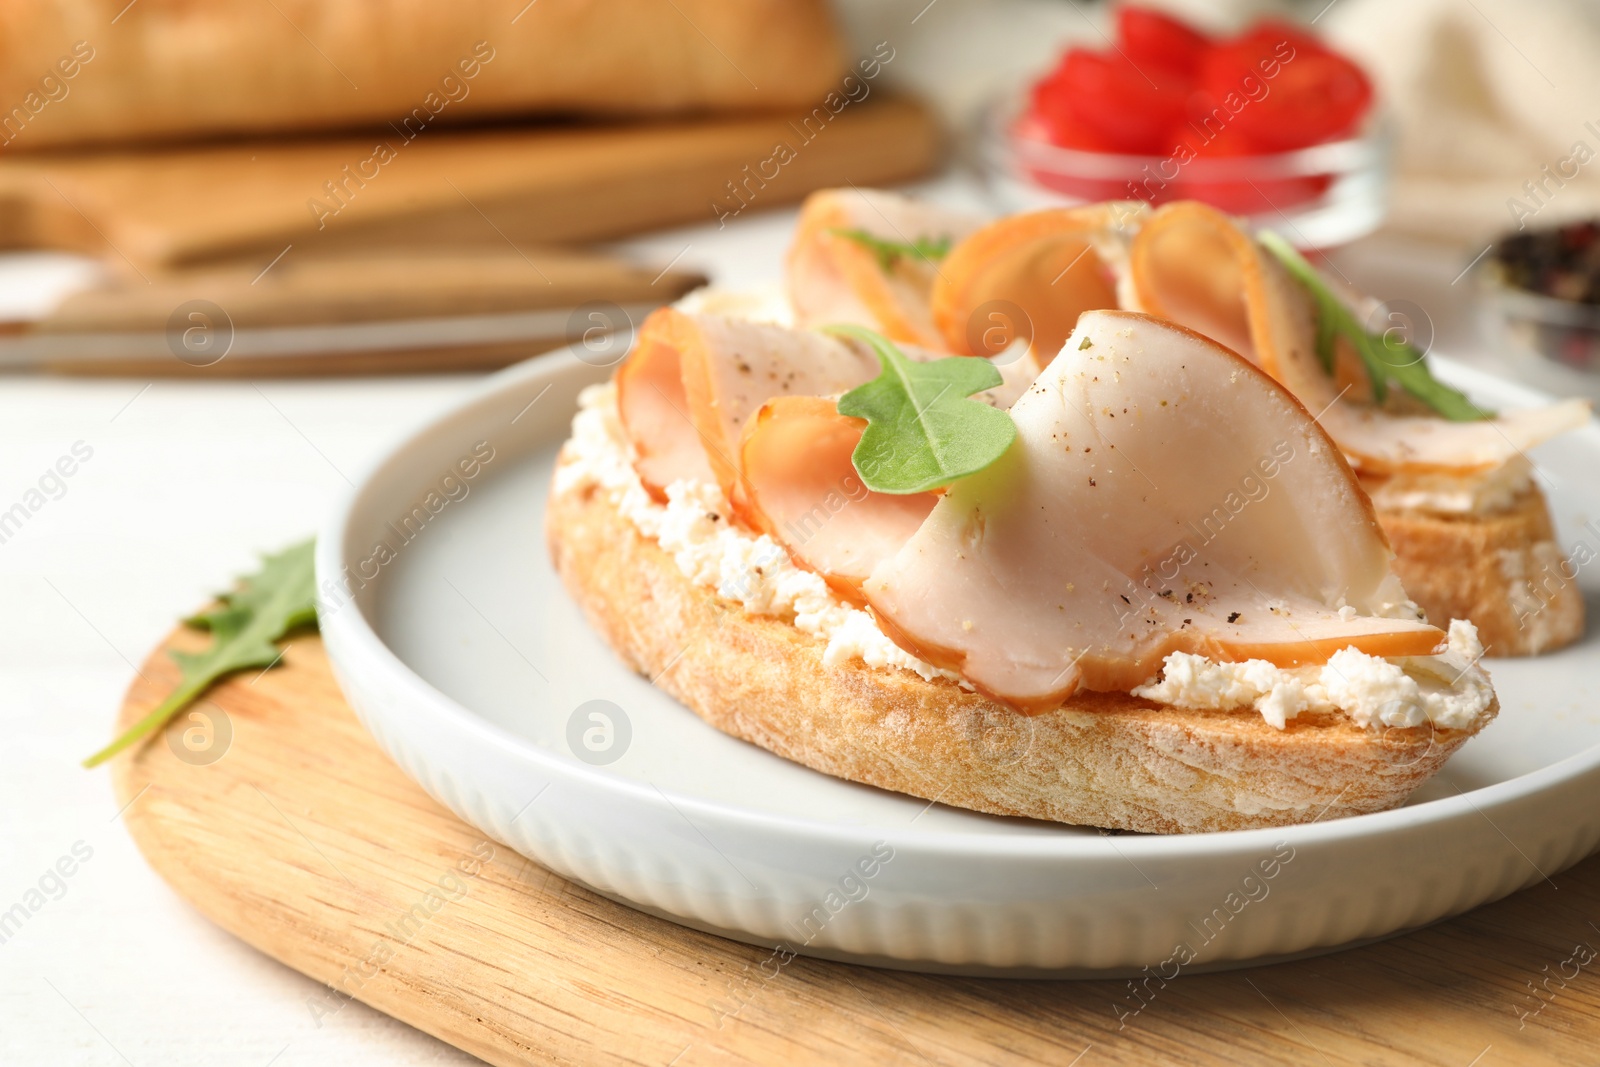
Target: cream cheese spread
1443	493
1447	689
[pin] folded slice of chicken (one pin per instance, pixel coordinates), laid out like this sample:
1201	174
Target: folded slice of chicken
1194	265
834	279
1162	495
801	488
692	381
653	408
1033	275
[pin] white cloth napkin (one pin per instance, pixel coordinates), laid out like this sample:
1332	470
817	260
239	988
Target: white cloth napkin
1485	95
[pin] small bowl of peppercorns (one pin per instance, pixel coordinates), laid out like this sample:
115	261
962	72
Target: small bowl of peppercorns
1543	293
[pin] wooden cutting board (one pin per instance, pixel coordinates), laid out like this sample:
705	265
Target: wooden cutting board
285	825
358	312
517	186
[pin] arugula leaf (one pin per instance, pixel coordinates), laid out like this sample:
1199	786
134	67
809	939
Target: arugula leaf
922	430
1385	358
280	597
928	249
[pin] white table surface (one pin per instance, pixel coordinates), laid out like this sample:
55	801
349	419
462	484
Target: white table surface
187	482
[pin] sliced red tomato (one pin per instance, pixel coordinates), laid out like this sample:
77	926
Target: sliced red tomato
1049	108
1294	92
1272	89
1132	107
1276	30
1148	36
1244	196
1051	120
1063	129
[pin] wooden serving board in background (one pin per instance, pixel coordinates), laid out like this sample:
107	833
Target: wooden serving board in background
374	286
465	297
300	837
527	185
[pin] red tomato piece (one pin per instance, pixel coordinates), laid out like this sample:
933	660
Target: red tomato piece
1067	132
1049	100
1276	30
1283	88
1054	123
1244	195
1146	35
1131	107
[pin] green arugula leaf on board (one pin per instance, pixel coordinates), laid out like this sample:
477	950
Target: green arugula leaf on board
923	431
278	598
1387	360
928	249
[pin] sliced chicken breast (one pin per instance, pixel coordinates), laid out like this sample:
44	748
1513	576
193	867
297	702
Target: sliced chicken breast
1192	264
833	278
1162	495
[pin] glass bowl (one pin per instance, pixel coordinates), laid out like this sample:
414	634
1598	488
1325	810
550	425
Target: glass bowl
1533	324
1317	197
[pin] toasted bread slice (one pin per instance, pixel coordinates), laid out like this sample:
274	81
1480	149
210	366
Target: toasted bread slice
1504	571
1107	760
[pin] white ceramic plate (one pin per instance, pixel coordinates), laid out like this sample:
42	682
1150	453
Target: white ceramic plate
468	662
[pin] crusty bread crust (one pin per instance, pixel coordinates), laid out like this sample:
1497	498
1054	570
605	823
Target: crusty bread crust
1502	571
259	75
1107	760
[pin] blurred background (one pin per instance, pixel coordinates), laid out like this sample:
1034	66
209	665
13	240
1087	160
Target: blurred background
245	244
299	188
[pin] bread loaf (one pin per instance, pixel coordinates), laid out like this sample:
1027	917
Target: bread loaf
1504	571
98	71
1102	759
